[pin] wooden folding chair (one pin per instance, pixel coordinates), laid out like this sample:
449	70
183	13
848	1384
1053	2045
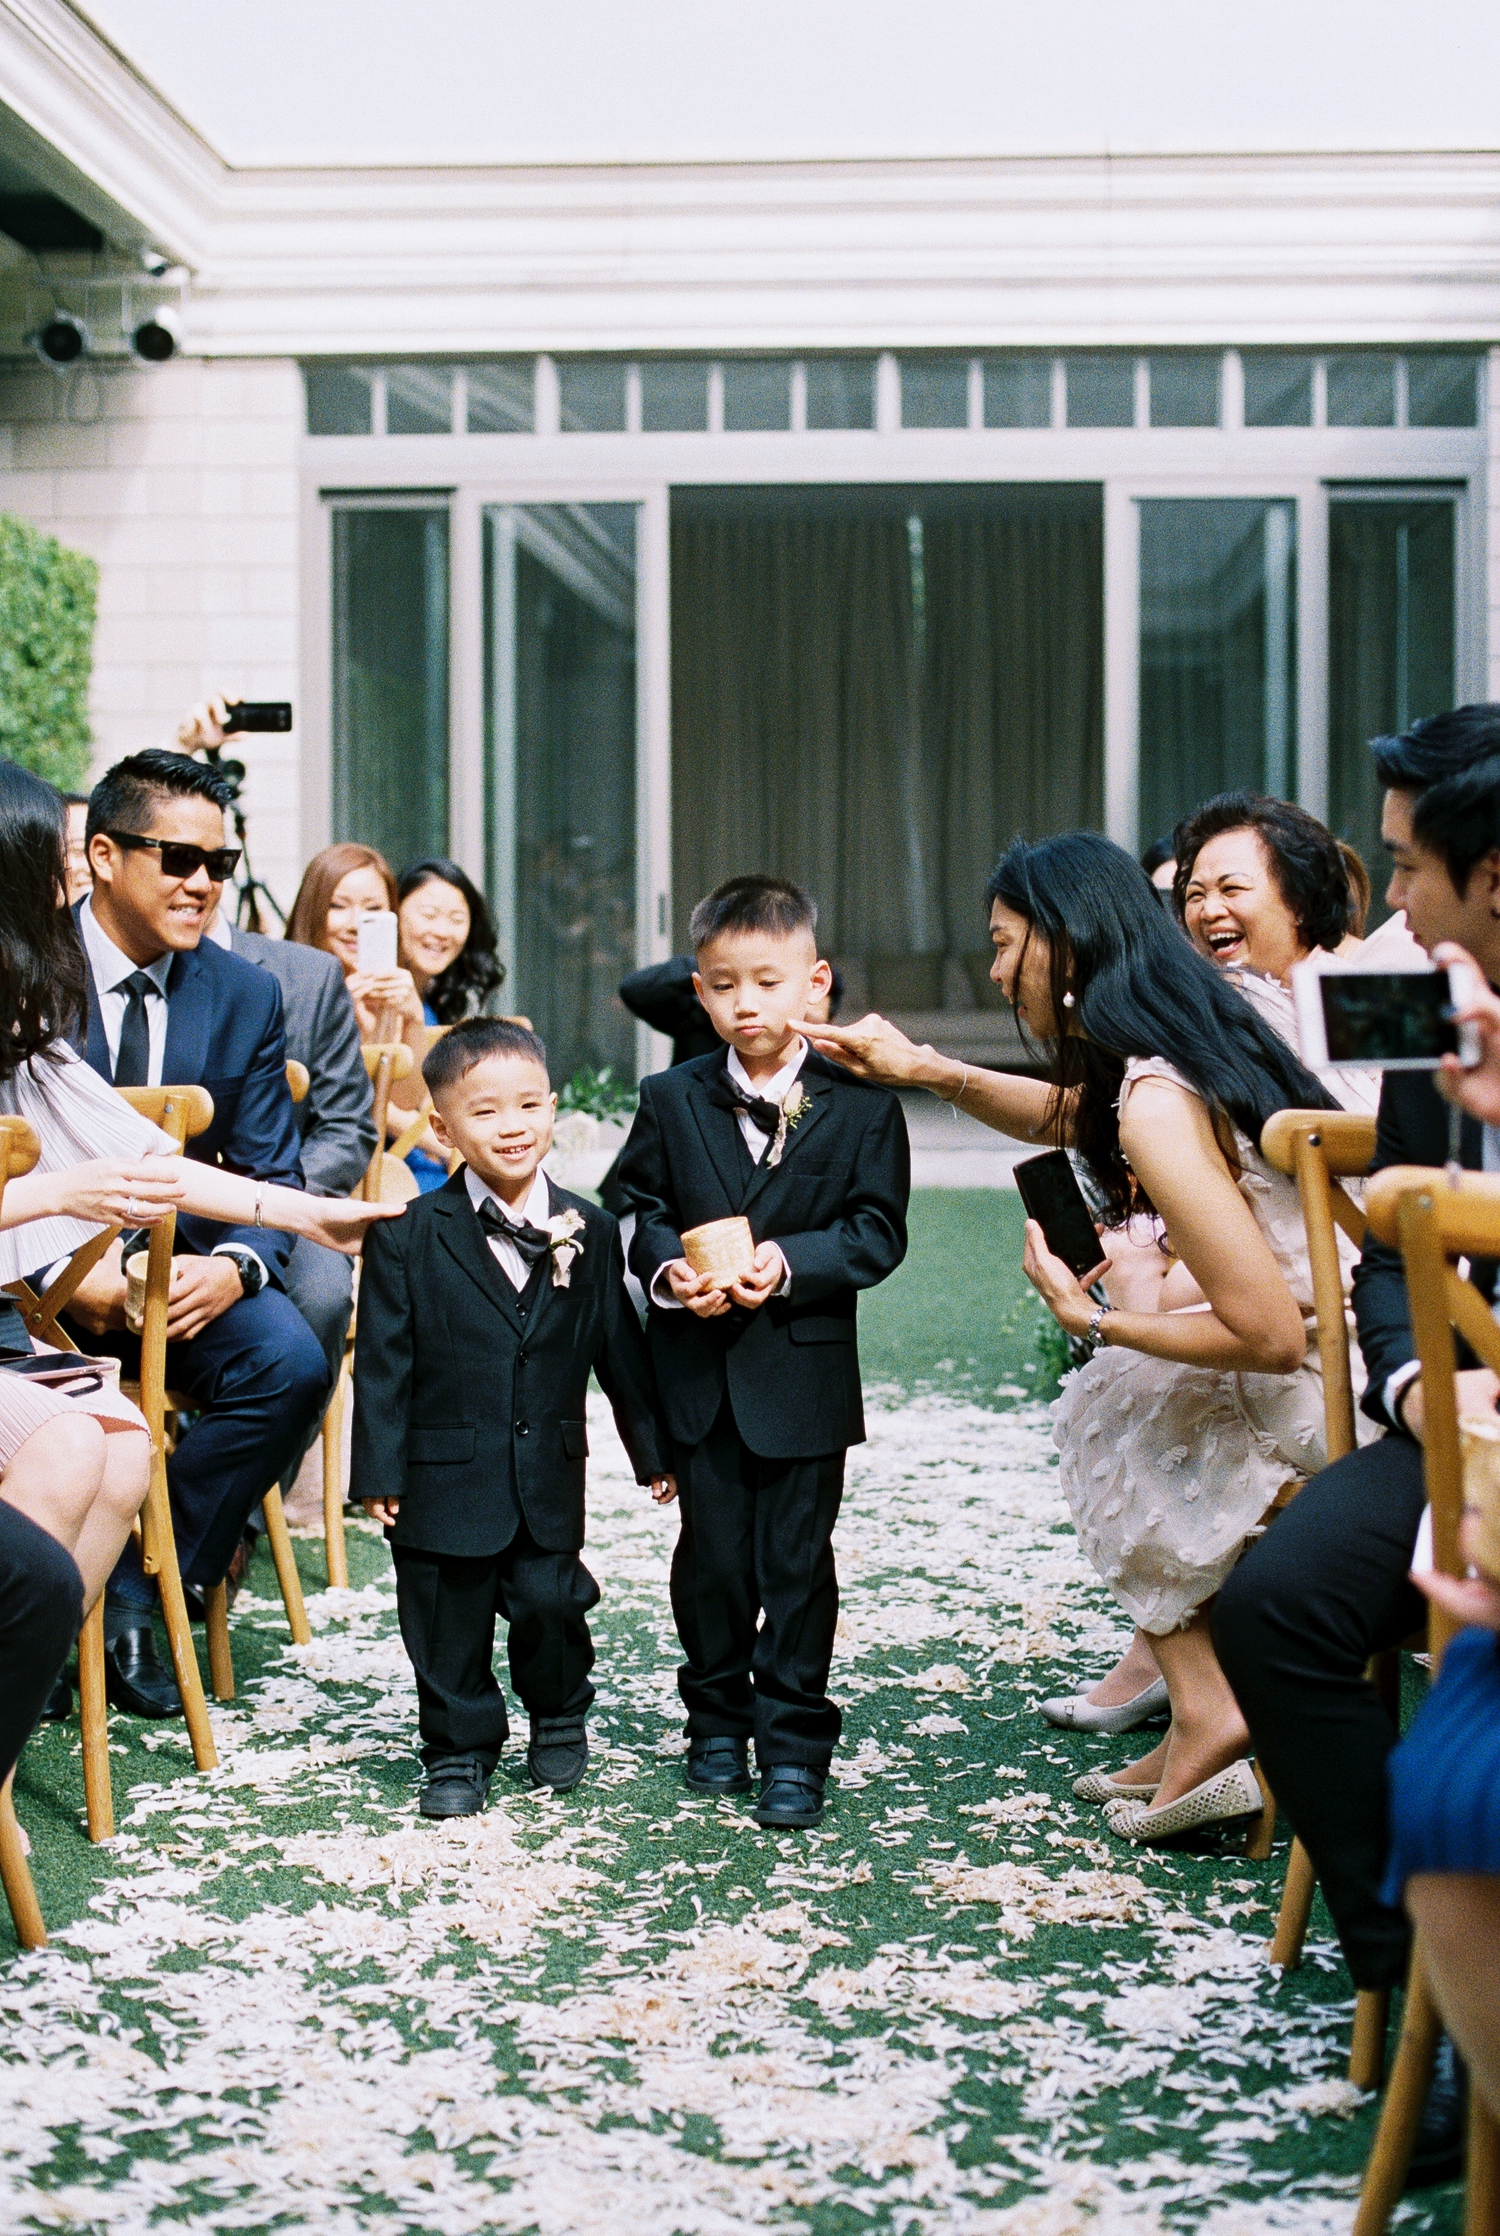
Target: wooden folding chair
387	1062
1318	1149
19	1150
1434	1222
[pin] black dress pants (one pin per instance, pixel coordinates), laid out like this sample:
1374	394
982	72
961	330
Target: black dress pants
447	1604
41	1607
1294	1625
756	1543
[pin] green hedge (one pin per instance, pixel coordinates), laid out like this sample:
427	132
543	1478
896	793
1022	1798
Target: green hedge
47	596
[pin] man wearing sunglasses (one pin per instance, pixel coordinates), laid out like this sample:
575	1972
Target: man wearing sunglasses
167	1007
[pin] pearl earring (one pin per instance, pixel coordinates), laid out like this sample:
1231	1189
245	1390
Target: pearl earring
1067	1001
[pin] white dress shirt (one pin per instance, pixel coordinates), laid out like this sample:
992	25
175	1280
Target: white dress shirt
757	1141
535	1211
111	967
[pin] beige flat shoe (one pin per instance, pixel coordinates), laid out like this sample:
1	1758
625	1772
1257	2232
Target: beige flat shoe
1097	1785
1073	1712
1233	1797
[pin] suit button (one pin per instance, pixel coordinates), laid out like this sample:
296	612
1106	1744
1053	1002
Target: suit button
523	1428
523	1358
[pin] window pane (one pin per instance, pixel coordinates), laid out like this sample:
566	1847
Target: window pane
390	680
1218	670
418	400
757	395
934	392
1361	390
840	392
1185	389
502	397
674	398
591	395
338	399
1442	391
1018	392
1390	648
1101	391
1278	389
561	776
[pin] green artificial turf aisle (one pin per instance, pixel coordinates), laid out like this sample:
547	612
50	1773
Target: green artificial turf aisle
280	2001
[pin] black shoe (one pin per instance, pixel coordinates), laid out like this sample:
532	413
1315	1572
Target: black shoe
790	1794
558	1753
455	1787
135	1678
718	1766
59	1701
1438	2153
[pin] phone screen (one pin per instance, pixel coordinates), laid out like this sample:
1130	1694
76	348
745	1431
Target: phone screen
1388	1018
1049	1189
377	941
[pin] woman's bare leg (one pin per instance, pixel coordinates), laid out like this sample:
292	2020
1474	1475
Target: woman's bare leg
1136	1668
123	1483
1207	1733
53	1478
1458	1917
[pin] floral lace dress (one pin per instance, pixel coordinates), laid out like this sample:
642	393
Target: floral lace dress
1168	1470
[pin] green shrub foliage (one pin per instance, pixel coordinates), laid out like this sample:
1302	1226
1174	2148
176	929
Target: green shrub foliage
47	599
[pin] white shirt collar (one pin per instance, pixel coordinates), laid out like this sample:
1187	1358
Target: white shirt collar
535	1211
110	965
219	930
772	1089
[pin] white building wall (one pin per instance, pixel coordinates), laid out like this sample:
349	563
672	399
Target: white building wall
181	481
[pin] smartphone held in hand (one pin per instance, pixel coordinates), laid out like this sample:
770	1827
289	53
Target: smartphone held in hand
1049	1189
377	942
272	716
1363	1017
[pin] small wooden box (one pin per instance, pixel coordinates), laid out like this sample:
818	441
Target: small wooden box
724	1249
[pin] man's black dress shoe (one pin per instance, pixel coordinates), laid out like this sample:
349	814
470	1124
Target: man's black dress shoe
455	1787
135	1678
558	1753
59	1701
790	1794
718	1765
1438	2153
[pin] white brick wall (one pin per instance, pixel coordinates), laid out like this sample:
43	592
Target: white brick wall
181	480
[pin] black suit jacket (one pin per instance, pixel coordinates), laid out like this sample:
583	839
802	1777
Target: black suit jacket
473	1414
224	1032
836	1204
663	996
1411	1129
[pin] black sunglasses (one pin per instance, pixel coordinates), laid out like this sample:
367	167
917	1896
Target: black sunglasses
178	859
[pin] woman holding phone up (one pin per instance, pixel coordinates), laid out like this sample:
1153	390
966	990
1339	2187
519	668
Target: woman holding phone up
1194	1411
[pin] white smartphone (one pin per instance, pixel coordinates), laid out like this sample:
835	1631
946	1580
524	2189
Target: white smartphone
377	942
1363	1017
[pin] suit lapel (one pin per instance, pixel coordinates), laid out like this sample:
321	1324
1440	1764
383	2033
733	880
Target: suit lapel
720	1129
96	1046
816	1089
189	1022
463	1238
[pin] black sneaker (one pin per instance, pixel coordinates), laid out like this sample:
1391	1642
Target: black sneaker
790	1794
1438	2152
558	1754
455	1787
718	1766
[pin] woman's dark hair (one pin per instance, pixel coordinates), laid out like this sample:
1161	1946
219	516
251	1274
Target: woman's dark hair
1307	862
42	981
476	970
1138	989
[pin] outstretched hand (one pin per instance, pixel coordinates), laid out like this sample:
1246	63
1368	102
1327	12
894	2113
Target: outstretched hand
872	1049
342	1222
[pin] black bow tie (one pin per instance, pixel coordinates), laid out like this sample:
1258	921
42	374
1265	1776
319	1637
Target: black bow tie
529	1240
727	1094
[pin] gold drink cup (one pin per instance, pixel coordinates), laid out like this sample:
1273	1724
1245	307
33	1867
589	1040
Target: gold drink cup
135	1290
1479	1443
723	1249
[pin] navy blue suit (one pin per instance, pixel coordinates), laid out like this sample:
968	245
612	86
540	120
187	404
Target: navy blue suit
256	1375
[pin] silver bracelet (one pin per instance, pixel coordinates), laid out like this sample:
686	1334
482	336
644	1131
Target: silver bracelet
260	1206
1094	1336
952	1101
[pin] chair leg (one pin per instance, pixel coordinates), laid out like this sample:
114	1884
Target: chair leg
1401	2113
286	1567
1372	2011
93	1712
216	1625
160	1552
1258	1845
1482	2190
333	1488
25	1910
1296	1909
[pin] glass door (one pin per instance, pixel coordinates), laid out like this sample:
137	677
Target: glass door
560	611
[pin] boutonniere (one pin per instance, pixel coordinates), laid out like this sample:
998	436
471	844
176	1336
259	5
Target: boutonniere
791	1111
563	1233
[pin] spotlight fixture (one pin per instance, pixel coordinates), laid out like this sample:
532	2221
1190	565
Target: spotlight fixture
158	337
61	340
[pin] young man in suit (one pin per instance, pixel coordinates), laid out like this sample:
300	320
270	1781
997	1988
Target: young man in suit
477	1331
164	1006
760	1381
1299	1618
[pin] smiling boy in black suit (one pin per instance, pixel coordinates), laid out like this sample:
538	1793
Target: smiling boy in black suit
477	1330
760	1380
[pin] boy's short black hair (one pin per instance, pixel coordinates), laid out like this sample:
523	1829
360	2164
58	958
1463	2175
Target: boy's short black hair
1452	764
124	796
473	1039
753	904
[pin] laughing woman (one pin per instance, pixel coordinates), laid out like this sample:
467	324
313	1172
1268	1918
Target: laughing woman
1188	1418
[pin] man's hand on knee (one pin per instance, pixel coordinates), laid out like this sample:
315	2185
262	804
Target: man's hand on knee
1477	1389
202	1291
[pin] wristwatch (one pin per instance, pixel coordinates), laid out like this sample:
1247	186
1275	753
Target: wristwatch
249	1268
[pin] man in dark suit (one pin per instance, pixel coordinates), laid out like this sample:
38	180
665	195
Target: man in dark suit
478	1328
166	1007
1328	1585
760	1379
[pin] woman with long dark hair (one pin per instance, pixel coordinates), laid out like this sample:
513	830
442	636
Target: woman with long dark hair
1188	1419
